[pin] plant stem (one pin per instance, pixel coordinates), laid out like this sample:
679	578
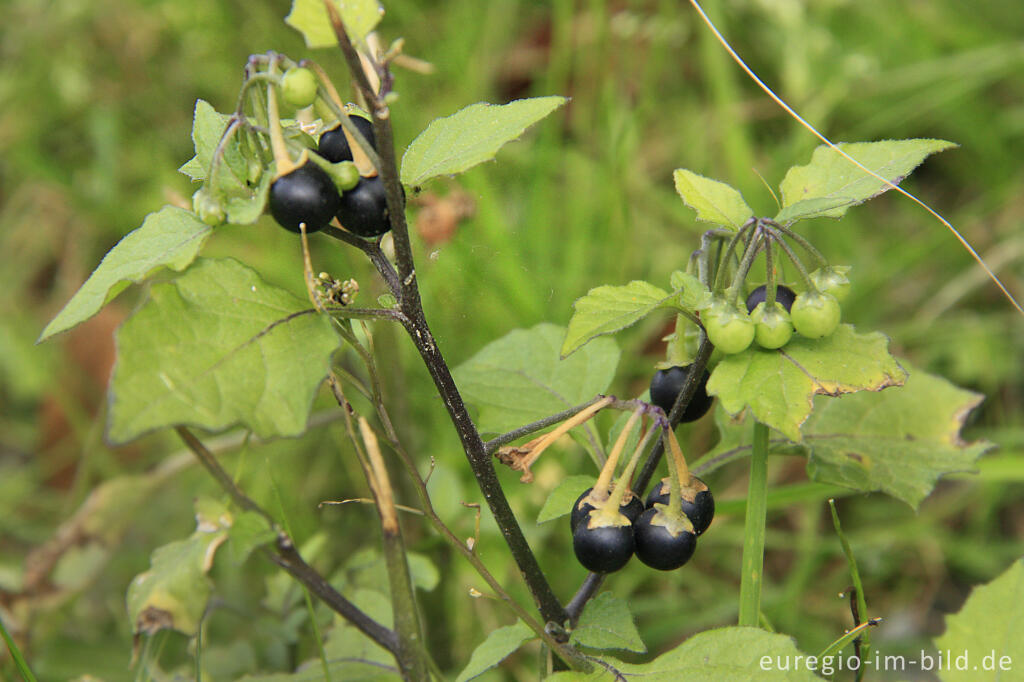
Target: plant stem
682	401
754	530
287	557
858	586
373	251
569	655
749	254
411	648
19	660
487	478
819	260
493	444
419	332
797	263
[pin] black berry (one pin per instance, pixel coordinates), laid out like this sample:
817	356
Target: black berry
581	509
666	385
306	195
697	501
604	549
334	145
784	296
656	543
364	208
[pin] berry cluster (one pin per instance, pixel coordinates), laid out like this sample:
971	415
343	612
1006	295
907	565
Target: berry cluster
814	314
773	311
315	181
610	524
309	195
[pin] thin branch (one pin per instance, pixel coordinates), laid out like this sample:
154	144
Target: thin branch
346	312
373	252
591	584
207	459
355	66
287	557
682	402
416	325
493	444
486	476
406	615
568	654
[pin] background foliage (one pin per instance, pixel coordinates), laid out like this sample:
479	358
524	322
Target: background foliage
98	99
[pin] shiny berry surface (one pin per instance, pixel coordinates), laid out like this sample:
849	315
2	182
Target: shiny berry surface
364	209
605	549
784	296
657	547
666	384
306	195
334	145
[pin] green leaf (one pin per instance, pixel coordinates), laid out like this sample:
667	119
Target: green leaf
207	128
522	377
812	208
242	202
833	184
249	531
216	347
606	623
173	593
693	295
899	441
732	654
351	655
714	201
608	309
309	17
988	631
779	386
171	237
470	136
245	205
422	571
367	569
559	502
498	646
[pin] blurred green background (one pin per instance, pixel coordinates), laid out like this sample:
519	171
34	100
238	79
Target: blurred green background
97	100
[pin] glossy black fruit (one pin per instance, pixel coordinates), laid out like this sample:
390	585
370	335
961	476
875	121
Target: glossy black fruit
364	208
306	195
697	501
603	550
784	296
656	545
334	145
581	510
666	385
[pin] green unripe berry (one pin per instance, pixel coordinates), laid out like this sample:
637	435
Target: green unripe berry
832	280
815	315
345	175
772	326
208	208
298	87
729	328
254	171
